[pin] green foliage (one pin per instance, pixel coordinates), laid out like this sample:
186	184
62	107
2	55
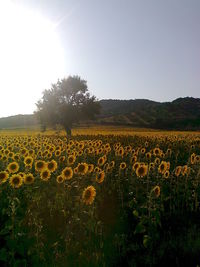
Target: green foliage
67	102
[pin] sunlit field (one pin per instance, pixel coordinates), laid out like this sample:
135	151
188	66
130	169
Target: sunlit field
106	196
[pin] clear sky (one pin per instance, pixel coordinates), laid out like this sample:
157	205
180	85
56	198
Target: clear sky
125	49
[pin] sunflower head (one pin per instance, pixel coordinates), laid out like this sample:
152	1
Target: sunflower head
157	161
71	159
192	158
67	173
156	151
122	166
166	174
156	191
45	175
101	161
178	170
141	171
135	166
90	168
3	177
112	164
13	167
28	161
88	195
184	170
40	165
52	165
162	167
148	155
60	179
100	177
29	178
82	168
16	181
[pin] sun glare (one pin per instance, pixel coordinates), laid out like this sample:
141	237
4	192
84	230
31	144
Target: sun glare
31	58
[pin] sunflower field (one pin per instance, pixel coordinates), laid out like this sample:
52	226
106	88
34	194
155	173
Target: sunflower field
100	200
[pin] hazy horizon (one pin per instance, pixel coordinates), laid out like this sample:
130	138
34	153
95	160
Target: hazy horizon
124	49
12	115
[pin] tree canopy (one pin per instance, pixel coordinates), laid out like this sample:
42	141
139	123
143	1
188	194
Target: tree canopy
68	101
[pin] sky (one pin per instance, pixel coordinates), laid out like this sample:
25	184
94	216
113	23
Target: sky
124	49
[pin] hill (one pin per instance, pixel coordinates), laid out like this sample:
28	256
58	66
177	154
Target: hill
18	121
180	114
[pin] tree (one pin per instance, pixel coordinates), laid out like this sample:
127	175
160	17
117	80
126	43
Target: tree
67	102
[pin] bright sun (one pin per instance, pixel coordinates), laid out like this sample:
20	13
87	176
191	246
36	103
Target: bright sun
31	58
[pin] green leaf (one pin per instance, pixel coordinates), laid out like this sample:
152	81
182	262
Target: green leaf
6	230
140	228
146	241
135	213
3	254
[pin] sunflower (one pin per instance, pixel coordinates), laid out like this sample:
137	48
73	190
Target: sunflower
135	166
141	171
29	178
197	158
162	167
3	177
168	165
143	150
101	161
45	175
71	159
178	170
11	154
16	157
61	159
151	166
157	161
57	153
4	158
67	173
88	195
121	151
24	152
60	179
156	191
80	153
184	170
169	152
82	168
100	177
122	165
166	174
40	165
112	164
28	161
22	174
76	170
52	165
16	181
148	155
156	151
192	158
13	167
133	159
90	168
97	169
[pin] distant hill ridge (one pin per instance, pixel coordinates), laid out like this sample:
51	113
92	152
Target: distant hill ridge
180	114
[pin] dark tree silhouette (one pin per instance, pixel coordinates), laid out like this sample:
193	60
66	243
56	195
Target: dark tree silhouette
67	102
